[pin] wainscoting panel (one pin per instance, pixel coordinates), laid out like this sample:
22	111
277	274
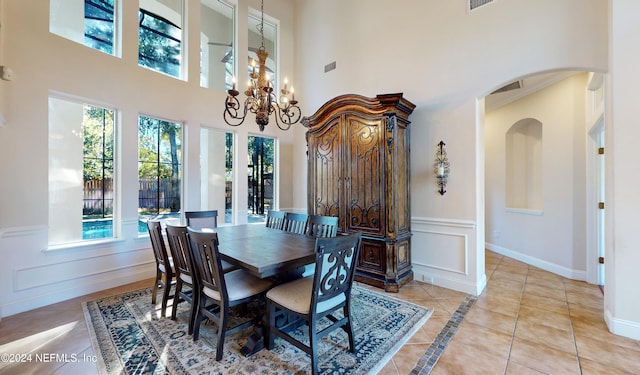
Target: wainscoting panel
444	253
34	274
447	251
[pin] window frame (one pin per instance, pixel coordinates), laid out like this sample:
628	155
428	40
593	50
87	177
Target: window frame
181	150
115	172
180	68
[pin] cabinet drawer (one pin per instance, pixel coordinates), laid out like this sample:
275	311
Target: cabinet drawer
372	256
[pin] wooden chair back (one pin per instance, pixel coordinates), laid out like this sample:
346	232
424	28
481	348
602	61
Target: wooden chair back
322	226
336	260
275	219
159	249
208	264
202	219
179	247
295	223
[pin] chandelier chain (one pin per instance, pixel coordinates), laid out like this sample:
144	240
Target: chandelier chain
261	99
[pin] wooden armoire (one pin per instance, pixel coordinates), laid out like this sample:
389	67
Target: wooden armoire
358	155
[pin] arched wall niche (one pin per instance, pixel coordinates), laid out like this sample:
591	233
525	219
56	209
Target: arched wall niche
523	147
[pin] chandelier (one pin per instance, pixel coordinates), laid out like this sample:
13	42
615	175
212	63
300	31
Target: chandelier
261	100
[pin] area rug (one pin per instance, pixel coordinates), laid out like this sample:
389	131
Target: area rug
130	337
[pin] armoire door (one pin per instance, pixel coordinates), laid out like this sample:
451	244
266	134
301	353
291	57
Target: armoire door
326	171
364	193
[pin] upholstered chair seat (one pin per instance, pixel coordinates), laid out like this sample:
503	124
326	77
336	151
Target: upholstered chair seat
240	285
306	301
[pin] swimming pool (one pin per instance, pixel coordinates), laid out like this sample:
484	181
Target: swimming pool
103	228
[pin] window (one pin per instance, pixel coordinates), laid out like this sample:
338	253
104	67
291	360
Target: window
216	172
261	177
98	25
270	45
81	171
88	22
159	169
160	36
216	45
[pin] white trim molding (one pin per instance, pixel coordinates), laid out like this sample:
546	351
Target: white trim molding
540	263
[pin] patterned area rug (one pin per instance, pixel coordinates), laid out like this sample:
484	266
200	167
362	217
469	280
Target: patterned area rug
129	337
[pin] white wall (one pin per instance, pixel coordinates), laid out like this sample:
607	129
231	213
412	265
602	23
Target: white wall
31	274
622	155
554	237
445	60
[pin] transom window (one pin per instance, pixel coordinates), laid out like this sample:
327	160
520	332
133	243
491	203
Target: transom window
98	25
88	22
160	36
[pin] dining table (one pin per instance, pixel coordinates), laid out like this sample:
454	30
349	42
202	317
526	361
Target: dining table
266	253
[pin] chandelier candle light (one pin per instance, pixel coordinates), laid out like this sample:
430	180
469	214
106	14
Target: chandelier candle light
261	100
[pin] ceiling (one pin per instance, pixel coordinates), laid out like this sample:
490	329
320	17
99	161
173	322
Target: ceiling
527	86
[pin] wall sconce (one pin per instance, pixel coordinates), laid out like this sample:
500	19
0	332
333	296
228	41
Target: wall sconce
441	167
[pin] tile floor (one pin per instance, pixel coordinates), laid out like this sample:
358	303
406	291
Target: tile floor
527	321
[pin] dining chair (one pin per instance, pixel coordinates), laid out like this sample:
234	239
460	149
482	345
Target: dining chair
186	274
311	298
221	291
202	219
275	219
165	274
295	223
322	226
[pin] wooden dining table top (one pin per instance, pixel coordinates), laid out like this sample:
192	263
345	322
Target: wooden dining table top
263	251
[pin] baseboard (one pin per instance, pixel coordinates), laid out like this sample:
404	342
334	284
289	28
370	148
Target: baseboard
622	327
448	282
81	289
540	263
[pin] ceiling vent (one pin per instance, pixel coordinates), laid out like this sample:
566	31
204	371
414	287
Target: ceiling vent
475	4
511	86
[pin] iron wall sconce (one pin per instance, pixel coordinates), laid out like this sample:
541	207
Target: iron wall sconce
441	167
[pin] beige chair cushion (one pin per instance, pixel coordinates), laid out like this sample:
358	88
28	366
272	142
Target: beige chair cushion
296	296
240	284
161	266
186	279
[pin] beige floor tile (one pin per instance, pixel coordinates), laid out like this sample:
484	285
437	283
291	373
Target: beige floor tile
483	338
587	300
585	313
600	331
501	288
464	359
514	368
407	357
542	358
551	337
544	291
439	292
608	354
412	291
389	369
433	326
545	303
499	305
522	313
490	319
590	367
513	262
551	319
